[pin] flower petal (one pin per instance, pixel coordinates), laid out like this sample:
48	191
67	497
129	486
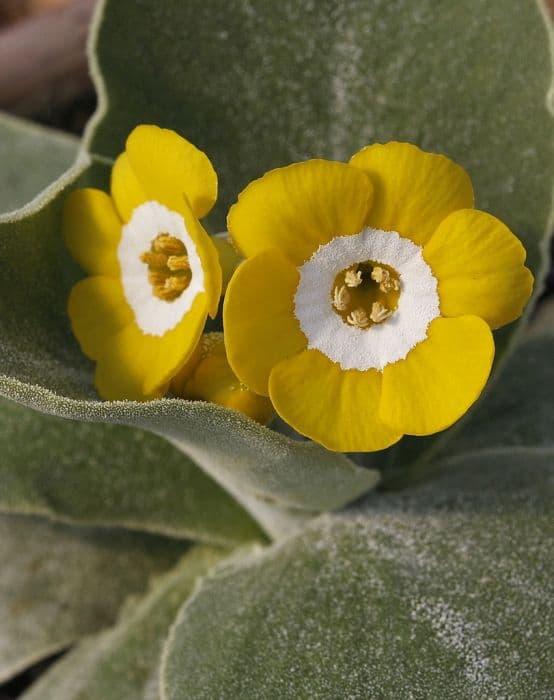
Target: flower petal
92	230
98	312
440	378
168	166
258	318
137	366
299	207
478	263
336	408
207	376
126	190
229	259
414	190
209	258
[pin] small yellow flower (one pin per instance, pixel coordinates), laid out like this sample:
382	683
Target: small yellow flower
365	305
155	273
207	376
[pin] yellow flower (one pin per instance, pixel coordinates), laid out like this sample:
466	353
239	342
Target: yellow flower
155	274
365	305
207	376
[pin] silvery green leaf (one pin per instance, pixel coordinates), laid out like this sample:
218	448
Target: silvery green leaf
31	156
58	584
99	474
122	663
441	592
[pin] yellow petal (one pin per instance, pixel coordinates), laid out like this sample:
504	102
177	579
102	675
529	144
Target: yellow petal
229	259
92	230
258	318
126	190
413	190
209	258
137	366
336	408
440	378
209	377
299	207
168	166
478	263
98	312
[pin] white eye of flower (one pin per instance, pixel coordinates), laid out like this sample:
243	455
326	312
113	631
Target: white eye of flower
391	299
161	271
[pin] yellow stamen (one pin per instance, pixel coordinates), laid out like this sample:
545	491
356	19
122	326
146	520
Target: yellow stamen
353	278
366	293
178	262
379	312
168	267
341	298
164	243
358	318
154	259
386	282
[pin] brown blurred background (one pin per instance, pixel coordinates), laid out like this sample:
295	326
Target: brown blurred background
43	65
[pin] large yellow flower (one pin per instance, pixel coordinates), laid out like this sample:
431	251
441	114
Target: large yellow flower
155	274
365	305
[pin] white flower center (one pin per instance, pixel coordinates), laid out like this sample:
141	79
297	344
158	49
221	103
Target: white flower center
155	315
356	345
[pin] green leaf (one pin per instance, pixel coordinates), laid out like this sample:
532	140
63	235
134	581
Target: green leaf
260	85
442	592
265	471
58	584
122	663
111	475
31	156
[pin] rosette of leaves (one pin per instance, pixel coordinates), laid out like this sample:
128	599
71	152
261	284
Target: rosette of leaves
245	571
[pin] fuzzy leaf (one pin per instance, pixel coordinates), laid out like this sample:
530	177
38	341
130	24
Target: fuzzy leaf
259	85
31	156
58	584
111	475
443	592
122	663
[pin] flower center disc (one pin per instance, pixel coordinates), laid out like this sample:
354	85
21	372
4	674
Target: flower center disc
169	271
366	293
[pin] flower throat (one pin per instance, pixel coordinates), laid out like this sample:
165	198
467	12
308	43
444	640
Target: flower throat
366	294
169	271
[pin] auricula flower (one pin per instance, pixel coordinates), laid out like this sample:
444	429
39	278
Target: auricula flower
154	271
365	305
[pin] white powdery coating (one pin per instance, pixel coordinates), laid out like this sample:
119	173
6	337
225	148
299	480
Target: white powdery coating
155	316
381	344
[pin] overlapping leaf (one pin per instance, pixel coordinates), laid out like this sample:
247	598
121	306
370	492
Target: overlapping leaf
31	157
107	474
60	583
442	592
122	663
